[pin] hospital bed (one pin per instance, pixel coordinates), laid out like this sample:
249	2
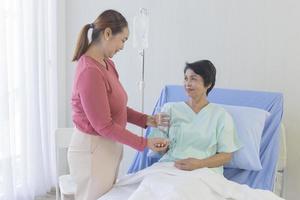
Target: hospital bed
272	150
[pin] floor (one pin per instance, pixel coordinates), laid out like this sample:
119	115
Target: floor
51	196
48	196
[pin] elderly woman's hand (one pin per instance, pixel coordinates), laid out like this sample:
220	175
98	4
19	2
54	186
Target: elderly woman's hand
188	164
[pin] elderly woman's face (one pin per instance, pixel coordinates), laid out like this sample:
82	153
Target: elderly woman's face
194	84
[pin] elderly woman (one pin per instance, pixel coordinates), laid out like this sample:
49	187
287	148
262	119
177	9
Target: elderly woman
201	134
201	139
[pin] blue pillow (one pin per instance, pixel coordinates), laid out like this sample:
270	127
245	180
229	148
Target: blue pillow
249	123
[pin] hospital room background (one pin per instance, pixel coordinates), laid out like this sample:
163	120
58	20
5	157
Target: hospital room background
255	45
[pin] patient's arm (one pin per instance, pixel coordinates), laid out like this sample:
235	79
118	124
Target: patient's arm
217	160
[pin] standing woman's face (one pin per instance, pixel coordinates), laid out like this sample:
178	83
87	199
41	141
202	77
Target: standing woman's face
194	84
114	43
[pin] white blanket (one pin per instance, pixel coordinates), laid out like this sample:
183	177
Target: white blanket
164	181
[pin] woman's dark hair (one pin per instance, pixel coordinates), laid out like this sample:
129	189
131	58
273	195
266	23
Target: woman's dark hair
206	70
108	19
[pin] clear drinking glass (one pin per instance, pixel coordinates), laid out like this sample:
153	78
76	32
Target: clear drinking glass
163	119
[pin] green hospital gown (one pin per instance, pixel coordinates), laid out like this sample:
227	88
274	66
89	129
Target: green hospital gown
197	135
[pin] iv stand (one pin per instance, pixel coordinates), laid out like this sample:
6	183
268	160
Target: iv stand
142	85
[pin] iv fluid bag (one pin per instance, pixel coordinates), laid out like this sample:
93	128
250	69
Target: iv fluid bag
141	29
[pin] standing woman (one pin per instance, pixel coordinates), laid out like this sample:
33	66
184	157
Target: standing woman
100	112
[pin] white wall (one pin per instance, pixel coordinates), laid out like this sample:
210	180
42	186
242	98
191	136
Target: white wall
254	45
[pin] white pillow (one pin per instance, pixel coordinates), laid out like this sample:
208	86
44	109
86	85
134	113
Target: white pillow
249	123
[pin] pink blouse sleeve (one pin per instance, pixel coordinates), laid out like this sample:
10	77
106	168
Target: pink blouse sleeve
92	90
136	118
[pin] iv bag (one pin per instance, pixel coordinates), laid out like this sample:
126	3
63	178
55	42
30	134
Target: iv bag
141	29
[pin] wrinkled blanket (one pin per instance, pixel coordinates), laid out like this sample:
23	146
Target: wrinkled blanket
165	182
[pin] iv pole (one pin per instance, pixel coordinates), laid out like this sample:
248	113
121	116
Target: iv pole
142	81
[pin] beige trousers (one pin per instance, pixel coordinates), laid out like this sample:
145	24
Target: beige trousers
94	163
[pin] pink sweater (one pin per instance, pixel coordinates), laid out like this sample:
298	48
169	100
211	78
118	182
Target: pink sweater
99	104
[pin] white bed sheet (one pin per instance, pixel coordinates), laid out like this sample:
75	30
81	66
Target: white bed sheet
164	181
120	193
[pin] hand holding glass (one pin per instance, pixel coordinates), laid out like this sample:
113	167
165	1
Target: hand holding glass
163	120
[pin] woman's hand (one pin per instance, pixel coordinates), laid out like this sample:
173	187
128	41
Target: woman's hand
151	121
160	119
188	164
157	144
216	160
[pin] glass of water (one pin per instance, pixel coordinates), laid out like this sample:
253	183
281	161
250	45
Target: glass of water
163	119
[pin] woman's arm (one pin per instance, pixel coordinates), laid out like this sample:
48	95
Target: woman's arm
143	120
217	160
137	118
